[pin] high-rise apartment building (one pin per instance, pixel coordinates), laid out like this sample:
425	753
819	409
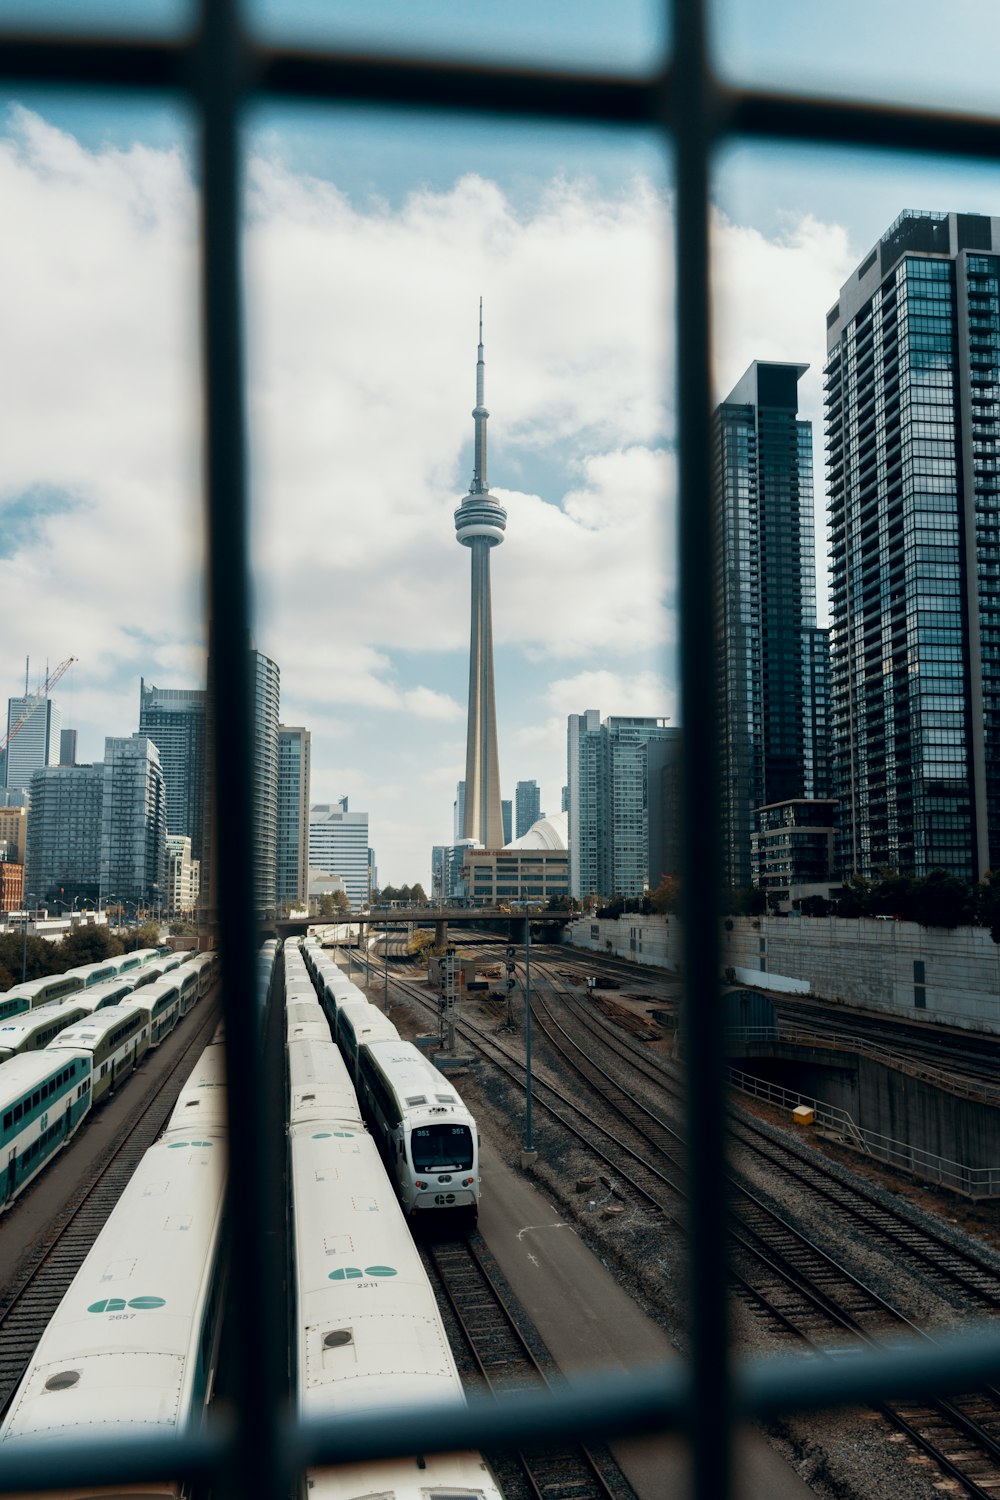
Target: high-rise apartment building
507	818
610	848
133	822
175	720
64	833
480	522
267	696
36	743
527	806
913	423
458	812
292	861
183	875
769	670
67	747
338	845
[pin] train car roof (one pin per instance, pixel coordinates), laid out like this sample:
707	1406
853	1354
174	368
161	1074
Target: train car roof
319	1085
457	1476
357	1353
22	1072
414	1077
87	1034
27	1021
94	1370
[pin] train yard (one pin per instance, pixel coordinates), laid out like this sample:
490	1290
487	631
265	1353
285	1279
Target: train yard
823	1260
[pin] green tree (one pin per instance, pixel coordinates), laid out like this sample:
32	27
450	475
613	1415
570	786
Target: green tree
418	895
146	936
856	898
941	900
88	945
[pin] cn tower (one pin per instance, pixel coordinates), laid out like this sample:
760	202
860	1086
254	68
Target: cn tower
479	524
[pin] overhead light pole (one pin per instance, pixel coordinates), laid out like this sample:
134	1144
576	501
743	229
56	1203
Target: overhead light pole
529	1155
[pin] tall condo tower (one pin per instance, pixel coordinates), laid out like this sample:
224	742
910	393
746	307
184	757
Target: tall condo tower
480	522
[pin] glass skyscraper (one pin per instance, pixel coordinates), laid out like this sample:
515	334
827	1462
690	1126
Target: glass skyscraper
527	806
611	851
913	426
174	719
771	654
292	861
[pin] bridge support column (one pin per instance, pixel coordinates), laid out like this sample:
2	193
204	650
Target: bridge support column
440	933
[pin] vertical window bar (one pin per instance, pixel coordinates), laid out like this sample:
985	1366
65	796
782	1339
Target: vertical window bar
254	1321
693	118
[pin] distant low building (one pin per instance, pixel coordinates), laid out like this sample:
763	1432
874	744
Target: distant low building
13	833
532	869
11	886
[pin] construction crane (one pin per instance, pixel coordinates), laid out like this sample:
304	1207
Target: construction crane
34	699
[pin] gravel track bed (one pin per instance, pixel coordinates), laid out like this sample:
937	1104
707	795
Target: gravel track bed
850	1454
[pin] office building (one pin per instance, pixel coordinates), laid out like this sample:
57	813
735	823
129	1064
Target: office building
64	834
507	819
338	845
67	747
292	860
528	805
36	743
183	875
13	833
665	806
133	823
913	422
610	847
564	799
766	600
175	720
479	524
533	869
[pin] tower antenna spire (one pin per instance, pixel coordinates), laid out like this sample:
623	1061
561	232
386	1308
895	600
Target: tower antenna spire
479	485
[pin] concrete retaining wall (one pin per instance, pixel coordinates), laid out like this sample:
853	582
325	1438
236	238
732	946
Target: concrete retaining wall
923	973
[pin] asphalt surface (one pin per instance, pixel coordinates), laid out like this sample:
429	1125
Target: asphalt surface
588	1322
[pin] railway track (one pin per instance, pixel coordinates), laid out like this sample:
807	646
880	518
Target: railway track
59	1252
799	1290
505	1363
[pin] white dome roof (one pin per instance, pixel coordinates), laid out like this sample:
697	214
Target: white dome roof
547	833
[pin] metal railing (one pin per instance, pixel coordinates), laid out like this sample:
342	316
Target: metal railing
217	70
970	1182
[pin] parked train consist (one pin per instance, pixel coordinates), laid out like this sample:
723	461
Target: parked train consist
57	986
115	1026
44	1099
34	1029
134	1343
357	1274
427	1136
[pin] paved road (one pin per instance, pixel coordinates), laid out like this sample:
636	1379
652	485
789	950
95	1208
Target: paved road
588	1321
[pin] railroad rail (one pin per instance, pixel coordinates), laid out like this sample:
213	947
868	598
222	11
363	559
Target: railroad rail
505	1363
797	1287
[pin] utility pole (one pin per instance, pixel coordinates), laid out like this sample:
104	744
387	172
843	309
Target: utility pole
385	960
529	1155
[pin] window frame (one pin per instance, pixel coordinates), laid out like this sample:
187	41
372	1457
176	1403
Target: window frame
219	69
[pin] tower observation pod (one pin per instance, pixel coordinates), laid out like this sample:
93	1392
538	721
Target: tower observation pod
480	522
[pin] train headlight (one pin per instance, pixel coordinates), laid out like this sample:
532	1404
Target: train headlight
420	1184
468	1181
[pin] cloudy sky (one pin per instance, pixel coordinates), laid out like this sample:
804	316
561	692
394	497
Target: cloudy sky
370	238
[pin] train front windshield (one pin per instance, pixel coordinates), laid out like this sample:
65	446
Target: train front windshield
438	1148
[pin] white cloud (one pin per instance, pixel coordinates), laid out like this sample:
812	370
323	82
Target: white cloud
361	343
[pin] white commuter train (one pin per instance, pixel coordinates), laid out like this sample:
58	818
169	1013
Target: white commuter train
116	1039
427	1136
367	1331
44	1098
134	1342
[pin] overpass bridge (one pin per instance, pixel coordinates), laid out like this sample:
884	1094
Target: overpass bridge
438	917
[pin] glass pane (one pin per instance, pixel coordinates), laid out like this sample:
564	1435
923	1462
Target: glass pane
862	51
102	533
370	244
627	37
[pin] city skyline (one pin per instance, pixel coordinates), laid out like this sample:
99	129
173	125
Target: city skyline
361	440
